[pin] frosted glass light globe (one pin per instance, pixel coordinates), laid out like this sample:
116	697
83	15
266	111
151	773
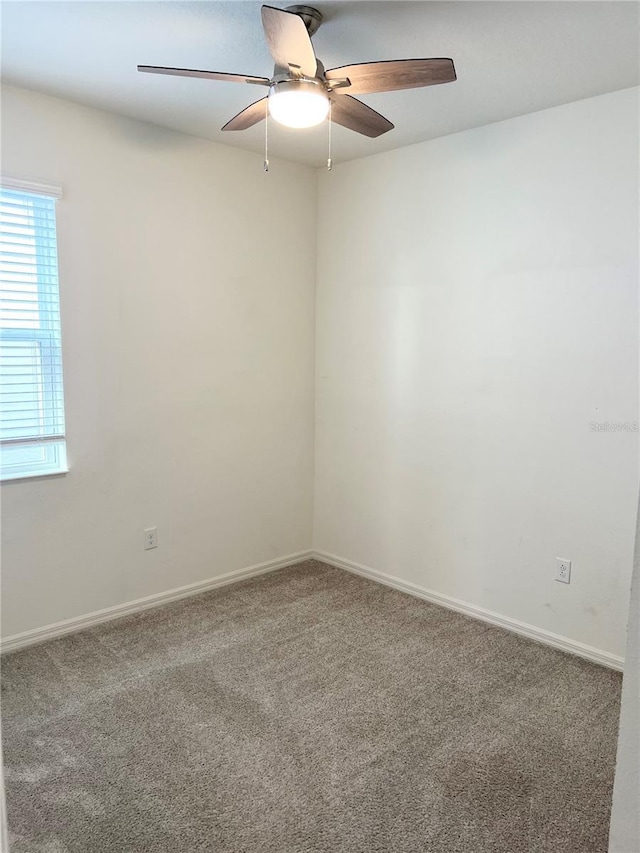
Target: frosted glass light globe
298	103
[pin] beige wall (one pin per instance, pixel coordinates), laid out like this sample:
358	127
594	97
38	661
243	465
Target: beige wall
476	311
188	345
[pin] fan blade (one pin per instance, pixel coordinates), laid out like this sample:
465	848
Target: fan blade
249	116
288	40
352	113
369	77
209	75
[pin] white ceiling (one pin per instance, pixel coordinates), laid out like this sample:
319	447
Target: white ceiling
511	58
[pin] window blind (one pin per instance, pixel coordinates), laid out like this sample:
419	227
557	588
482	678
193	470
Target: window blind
32	425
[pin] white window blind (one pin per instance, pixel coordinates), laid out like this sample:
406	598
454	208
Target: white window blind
31	396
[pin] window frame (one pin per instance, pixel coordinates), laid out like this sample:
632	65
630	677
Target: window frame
53	446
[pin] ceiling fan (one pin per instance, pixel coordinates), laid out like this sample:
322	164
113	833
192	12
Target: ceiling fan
302	94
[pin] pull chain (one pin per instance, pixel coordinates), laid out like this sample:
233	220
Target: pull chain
266	135
330	161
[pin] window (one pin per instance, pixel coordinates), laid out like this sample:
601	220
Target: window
31	399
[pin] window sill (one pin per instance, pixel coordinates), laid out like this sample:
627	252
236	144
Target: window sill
36	475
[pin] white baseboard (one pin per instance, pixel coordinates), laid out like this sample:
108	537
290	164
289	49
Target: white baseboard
538	634
69	626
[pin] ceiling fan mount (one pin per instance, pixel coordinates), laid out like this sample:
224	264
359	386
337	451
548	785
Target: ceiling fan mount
312	17
301	93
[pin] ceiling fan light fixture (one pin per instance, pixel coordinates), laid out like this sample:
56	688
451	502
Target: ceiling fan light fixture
298	103
302	94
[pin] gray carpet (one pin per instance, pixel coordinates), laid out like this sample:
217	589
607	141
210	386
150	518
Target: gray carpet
306	711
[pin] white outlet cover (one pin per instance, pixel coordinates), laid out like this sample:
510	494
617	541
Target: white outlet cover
150	538
563	570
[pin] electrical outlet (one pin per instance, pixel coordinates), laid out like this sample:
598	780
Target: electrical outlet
150	538
563	570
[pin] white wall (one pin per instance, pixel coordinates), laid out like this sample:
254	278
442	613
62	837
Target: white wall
188	353
625	814
476	311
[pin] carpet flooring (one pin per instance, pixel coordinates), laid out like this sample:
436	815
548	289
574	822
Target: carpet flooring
306	711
